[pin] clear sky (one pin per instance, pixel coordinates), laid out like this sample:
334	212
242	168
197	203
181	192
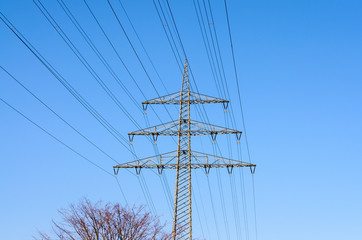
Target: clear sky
299	66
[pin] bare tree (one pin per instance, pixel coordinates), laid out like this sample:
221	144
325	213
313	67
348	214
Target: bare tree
87	221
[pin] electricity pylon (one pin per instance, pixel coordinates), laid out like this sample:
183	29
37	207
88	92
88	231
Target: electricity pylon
184	160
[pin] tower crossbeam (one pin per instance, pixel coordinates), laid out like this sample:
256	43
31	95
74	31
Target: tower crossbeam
198	161
196	128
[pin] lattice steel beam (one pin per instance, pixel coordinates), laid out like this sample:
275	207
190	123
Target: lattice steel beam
198	161
196	128
195	98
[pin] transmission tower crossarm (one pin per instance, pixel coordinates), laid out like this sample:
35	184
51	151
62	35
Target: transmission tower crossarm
198	161
195	98
196	128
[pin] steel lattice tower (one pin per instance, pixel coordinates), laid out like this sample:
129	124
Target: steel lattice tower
184	160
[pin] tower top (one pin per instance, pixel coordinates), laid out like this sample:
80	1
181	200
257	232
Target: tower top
185	79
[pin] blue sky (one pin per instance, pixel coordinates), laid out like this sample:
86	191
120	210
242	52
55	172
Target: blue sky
299	66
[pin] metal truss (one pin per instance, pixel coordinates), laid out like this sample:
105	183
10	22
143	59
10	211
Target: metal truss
175	98
198	161
184	160
196	128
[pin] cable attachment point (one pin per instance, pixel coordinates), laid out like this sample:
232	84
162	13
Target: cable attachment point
238	137
155	137
144	106
225	105
213	136
160	169
130	137
230	169
207	168
138	170
115	170
252	170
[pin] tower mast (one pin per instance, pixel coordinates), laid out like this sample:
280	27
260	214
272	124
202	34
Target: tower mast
182	222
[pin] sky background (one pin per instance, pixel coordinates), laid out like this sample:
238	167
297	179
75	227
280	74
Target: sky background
299	66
